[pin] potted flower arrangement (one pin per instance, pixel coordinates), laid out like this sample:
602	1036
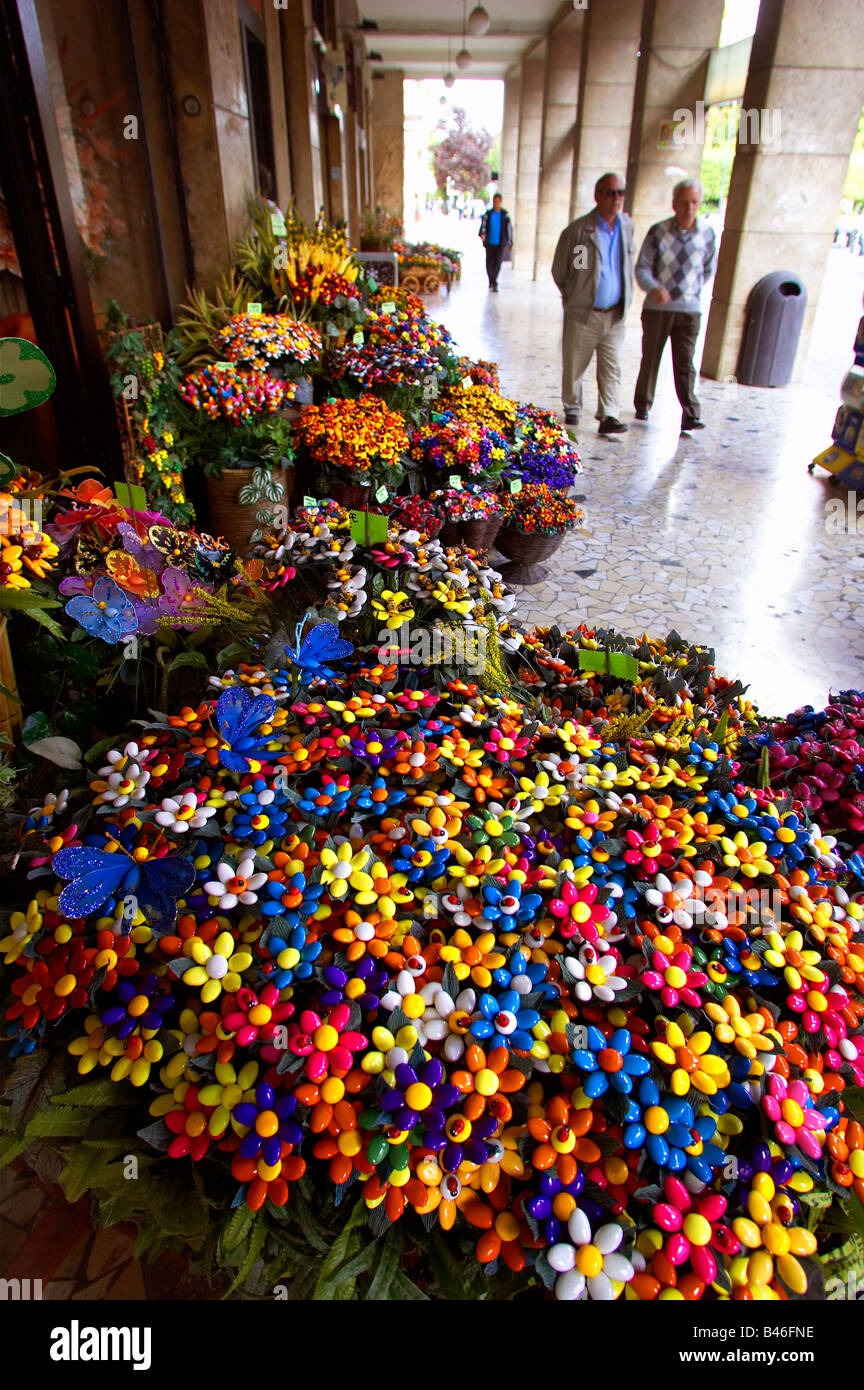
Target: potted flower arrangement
356	447
379	229
245	445
308	272
472	515
273	343
403	357
544	452
535	519
462	449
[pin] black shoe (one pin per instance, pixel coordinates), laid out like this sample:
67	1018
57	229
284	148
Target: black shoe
641	413
688	425
570	418
493	289
612	426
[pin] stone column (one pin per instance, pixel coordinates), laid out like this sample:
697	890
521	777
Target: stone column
510	137
677	38
799	119
278	106
528	158
610	56
560	104
231	110
208	91
304	133
388	140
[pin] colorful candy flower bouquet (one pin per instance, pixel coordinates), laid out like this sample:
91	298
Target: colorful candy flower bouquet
355	446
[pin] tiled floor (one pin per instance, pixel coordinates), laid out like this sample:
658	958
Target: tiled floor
720	535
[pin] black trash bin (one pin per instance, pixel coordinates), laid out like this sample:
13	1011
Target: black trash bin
775	313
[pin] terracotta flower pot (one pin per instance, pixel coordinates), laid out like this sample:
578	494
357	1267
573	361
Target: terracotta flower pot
479	535
236	521
526	551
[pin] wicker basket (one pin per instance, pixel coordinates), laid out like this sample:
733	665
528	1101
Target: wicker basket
354	496
235	522
526	551
479	535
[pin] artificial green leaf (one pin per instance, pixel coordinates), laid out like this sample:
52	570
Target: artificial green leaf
64	752
184	659
387	1266
58	1124
254	1248
236	1227
36	727
94	1093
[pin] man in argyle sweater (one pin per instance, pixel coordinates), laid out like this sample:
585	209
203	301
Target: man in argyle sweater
676	260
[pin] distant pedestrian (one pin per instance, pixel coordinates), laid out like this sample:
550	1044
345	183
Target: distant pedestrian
593	269
496	234
677	259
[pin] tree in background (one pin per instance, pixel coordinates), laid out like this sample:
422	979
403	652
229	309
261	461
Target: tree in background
462	156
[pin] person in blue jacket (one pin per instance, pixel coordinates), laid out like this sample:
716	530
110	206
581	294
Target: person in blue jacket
496	234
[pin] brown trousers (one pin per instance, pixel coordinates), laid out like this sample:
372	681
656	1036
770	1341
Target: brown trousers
683	329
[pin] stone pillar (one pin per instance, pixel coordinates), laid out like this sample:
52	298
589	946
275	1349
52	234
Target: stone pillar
231	111
208	92
388	140
278	106
677	38
528	158
510	137
802	103
560	104
610	57
304	133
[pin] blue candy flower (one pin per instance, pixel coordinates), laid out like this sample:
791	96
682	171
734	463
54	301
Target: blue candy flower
609	1063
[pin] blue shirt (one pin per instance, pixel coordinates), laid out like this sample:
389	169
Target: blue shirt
610	289
493	236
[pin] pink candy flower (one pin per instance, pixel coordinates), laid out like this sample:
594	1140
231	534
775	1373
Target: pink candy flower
789	1107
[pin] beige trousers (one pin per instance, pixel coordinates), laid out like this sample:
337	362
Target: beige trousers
603	333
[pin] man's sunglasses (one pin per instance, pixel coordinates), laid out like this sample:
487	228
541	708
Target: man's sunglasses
614	192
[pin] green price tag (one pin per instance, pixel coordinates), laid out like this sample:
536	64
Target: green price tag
624	666
619	664
132	496
382	494
368	527
467	383
277	224
516	485
311	503
388	308
223	366
455	481
358	338
253	310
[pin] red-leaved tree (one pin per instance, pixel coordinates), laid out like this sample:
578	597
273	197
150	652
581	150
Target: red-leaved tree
462	156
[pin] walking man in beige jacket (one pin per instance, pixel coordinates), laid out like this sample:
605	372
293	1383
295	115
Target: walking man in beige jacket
593	269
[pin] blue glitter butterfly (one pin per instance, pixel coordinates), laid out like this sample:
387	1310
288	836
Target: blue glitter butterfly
97	877
321	645
239	716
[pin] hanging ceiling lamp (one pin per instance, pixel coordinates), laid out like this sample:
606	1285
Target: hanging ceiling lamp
463	57
478	20
449	79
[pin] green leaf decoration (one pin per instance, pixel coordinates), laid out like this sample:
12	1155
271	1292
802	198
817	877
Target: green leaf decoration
253	1251
26	376
236	1228
69	1123
248	494
381	1285
764	769
95	1093
185	659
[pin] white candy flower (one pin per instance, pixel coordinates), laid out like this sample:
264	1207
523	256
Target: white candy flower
184	814
235	883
